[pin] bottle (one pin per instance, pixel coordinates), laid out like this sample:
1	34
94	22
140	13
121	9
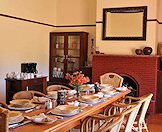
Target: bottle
49	104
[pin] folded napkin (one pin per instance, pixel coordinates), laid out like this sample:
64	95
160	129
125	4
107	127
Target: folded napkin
122	88
99	94
41	118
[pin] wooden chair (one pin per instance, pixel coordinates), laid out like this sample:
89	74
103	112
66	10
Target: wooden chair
145	101
112	79
27	94
140	119
111	123
56	87
3	120
129	114
3	105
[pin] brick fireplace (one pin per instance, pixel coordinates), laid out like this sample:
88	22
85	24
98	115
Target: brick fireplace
143	69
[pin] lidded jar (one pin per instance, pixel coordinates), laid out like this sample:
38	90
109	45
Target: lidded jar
147	50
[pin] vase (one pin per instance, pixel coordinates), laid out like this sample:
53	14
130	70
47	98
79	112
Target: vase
77	88
147	50
139	51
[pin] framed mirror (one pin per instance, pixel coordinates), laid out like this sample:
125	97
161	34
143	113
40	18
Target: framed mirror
127	23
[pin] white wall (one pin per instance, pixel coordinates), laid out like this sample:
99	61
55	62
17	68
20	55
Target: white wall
127	47
77	12
23	41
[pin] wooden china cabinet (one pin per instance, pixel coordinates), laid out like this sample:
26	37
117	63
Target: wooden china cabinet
68	53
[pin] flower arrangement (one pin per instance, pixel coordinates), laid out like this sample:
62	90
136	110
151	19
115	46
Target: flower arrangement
76	80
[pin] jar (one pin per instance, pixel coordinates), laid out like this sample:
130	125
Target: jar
139	51
147	50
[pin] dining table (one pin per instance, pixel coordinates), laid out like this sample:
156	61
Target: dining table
66	123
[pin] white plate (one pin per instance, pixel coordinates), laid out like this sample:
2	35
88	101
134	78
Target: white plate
92	102
58	110
122	89
25	107
16	120
42	119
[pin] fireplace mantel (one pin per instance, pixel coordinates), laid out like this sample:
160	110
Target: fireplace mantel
142	68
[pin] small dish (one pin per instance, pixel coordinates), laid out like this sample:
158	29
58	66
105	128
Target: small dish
65	110
122	89
21	107
15	117
89	98
20	102
41	119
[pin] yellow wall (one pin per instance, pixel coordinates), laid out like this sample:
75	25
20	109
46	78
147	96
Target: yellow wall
127	47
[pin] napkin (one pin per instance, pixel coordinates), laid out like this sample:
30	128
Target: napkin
99	94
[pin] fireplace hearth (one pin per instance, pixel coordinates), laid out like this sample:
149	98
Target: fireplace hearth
140	72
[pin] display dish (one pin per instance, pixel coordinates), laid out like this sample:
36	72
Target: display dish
15	117
65	110
41	119
39	100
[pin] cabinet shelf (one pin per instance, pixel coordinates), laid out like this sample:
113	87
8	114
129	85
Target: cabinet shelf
74	55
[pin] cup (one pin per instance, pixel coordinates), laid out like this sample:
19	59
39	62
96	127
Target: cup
61	97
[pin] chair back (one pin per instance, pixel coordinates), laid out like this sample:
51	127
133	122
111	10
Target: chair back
145	100
3	105
112	79
3	120
131	113
112	124
23	95
27	94
56	88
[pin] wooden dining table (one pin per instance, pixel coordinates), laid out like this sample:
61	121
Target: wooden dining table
63	125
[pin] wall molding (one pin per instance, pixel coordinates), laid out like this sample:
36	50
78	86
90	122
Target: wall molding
27	20
155	20
45	24
51	25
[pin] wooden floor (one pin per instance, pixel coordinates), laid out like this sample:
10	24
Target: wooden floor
154	123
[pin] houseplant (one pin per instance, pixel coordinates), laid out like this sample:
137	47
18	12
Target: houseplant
76	80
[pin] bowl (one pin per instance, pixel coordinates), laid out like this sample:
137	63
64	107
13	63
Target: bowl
89	98
67	109
20	102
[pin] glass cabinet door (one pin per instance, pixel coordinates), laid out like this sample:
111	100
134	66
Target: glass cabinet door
58	56
73	56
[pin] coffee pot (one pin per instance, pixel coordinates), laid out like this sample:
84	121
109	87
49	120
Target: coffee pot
29	67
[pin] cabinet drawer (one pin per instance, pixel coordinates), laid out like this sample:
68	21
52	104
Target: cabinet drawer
37	81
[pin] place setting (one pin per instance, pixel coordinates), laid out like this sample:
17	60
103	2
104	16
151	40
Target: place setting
21	104
65	110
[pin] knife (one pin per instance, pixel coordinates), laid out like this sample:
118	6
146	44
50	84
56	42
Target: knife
19	124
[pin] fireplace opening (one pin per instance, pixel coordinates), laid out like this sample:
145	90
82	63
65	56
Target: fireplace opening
131	84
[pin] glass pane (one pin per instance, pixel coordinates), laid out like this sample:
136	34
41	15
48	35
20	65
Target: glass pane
59	52
58	67
59	42
74	46
73	64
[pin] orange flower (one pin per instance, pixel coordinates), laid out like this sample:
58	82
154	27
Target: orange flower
77	78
